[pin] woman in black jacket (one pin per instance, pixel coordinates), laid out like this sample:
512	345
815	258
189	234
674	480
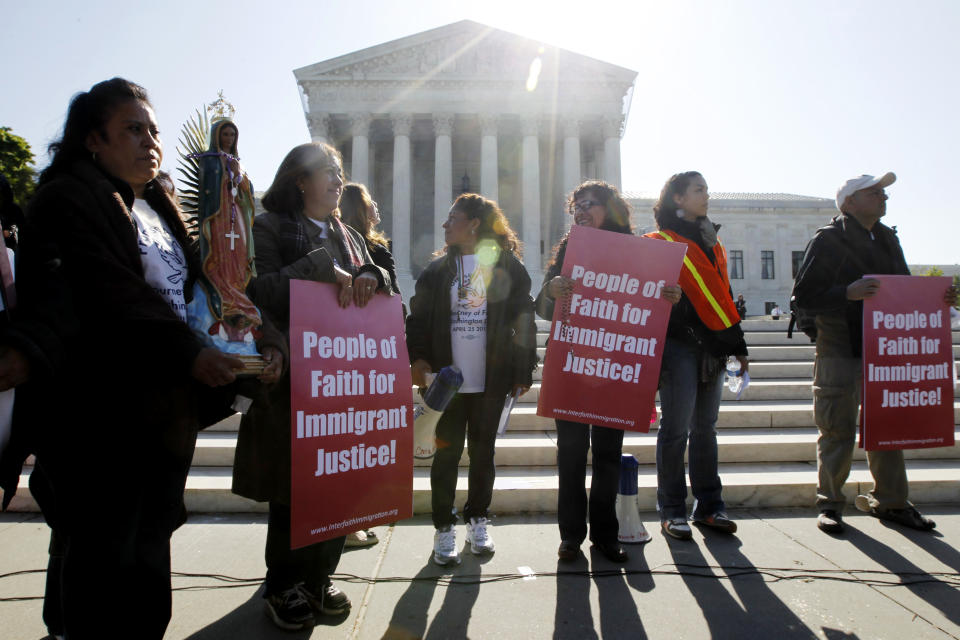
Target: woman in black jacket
113	376
472	309
598	205
299	237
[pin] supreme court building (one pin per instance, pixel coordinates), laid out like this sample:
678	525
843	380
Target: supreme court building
469	108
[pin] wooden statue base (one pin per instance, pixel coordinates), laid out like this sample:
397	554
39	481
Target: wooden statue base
252	365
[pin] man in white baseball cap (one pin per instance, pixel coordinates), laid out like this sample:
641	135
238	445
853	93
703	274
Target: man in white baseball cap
830	287
853	185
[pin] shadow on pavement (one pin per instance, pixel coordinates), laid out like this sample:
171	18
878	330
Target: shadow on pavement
572	618
619	617
249	621
938	594
411	612
767	614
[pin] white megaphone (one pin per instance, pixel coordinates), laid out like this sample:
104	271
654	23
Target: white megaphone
426	416
628	508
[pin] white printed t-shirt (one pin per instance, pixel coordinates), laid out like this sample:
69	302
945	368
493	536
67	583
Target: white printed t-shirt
164	263
468	323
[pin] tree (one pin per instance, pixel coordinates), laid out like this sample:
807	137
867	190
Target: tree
933	271
16	165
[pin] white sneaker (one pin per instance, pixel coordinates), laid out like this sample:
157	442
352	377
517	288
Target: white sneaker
479	538
445	546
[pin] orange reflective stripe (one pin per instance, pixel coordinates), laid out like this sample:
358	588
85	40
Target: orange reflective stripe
703	289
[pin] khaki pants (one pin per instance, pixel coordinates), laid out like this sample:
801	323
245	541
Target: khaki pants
837	381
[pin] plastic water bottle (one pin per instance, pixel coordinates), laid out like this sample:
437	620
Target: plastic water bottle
734	378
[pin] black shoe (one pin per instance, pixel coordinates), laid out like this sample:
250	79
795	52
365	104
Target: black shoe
612	551
719	521
908	517
331	602
830	521
289	609
569	550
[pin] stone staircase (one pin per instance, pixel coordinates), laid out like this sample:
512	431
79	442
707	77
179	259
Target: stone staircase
767	443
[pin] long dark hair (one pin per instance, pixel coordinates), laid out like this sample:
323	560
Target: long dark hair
88	112
284	195
354	202
493	223
665	211
617	218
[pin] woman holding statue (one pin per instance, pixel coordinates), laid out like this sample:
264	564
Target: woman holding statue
113	379
472	308
598	205
299	237
704	330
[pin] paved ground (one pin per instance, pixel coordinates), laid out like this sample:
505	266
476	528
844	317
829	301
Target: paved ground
778	578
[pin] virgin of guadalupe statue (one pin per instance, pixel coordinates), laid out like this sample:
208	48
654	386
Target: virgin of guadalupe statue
220	308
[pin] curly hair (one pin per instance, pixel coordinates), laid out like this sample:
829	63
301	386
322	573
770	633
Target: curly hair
616	219
665	210
493	223
355	201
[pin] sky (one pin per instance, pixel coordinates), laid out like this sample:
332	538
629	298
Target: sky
787	96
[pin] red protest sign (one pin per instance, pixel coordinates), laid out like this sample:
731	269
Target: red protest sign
351	415
606	339
907	365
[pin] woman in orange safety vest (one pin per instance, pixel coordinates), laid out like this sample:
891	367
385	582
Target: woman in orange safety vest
704	331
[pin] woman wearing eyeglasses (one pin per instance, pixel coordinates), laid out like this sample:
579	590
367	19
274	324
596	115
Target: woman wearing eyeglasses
597	205
299	237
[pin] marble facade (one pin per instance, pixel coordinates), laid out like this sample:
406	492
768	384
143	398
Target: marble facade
466	107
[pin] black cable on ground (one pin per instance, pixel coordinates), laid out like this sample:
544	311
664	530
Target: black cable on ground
868	577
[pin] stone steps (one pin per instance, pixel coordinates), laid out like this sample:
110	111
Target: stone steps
538	448
733	414
767	446
534	489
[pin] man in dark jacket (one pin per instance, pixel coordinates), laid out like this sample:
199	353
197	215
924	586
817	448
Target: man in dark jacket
831	286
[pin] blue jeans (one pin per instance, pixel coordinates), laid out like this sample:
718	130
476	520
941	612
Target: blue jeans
688	408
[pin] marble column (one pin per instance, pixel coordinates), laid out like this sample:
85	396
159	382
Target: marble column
571	155
530	170
319	125
402	197
489	179
611	151
442	174
360	153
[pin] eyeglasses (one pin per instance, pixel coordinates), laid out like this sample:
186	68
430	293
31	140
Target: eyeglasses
584	205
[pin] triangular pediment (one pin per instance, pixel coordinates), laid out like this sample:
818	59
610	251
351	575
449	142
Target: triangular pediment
464	50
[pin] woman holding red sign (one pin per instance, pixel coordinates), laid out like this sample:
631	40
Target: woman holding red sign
299	237
597	205
704	330
472	308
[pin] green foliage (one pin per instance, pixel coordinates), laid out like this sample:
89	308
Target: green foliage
16	164
193	141
933	271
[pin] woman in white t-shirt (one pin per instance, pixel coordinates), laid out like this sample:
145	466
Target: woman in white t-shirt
472	308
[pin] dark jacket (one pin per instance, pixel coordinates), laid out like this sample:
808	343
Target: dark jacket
101	344
382	257
839	254
511	332
284	252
